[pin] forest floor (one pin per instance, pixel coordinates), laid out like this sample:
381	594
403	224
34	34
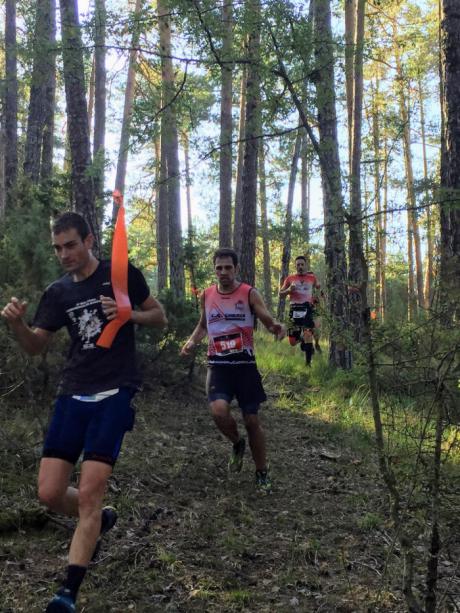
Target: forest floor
191	537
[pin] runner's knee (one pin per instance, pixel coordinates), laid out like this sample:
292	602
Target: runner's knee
51	495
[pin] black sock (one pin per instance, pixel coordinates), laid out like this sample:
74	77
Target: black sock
75	576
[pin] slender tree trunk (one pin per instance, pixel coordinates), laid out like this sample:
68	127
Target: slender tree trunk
287	240
379	261
10	104
190	258
74	80
450	159
2	171
91	96
334	249
383	243
171	147
127	110
429	272
39	83
225	216
356	274
412	203
253	123
237	223
350	29
100	78
162	219
46	170
305	195
264	228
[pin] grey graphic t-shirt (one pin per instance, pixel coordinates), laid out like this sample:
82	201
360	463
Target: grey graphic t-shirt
76	305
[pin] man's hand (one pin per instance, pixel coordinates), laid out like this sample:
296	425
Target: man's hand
188	348
109	307
292	287
14	311
279	330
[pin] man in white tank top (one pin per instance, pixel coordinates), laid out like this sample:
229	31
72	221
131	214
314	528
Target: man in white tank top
227	318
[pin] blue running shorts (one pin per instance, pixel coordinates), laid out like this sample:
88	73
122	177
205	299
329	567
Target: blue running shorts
94	428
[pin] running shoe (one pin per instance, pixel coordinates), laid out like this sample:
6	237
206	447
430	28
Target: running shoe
108	519
235	464
263	482
62	602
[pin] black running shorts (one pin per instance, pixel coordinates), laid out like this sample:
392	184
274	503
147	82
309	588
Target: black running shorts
240	381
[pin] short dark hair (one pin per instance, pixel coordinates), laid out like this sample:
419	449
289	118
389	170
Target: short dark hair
225	252
71	221
301	257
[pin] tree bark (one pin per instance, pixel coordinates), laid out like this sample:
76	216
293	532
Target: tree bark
356	273
171	148
122	161
225	212
237	223
162	218
429	269
339	354
100	78
264	228
253	123
450	159
10	112
74	80
46	169
39	83
305	195
350	30
412	223
287	239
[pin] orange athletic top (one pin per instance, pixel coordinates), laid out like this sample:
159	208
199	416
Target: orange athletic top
230	324
304	287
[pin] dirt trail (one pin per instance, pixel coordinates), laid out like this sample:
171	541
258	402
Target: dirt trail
192	538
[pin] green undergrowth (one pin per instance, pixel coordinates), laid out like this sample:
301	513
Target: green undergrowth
341	399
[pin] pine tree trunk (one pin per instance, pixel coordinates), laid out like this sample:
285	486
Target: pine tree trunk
253	123
264	228
237	223
356	273
225	213
412	225
162	219
305	195
450	159
100	78
171	148
379	261
350	30
39	83
429	271
77	114
287	239
10	104
339	355
46	170
127	110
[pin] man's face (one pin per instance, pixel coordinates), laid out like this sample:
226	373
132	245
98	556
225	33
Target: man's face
71	250
225	272
300	266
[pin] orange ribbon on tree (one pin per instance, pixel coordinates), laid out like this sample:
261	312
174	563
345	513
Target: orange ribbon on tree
119	277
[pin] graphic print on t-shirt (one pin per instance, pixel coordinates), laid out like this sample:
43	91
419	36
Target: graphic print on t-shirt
86	317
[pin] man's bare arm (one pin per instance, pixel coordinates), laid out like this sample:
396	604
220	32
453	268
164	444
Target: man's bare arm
198	334
260	309
32	340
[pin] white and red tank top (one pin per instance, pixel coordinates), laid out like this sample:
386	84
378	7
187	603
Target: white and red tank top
305	284
230	323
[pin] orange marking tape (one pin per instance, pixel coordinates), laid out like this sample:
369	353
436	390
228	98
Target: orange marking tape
119	277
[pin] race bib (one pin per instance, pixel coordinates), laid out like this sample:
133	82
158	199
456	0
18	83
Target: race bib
229	343
299	314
